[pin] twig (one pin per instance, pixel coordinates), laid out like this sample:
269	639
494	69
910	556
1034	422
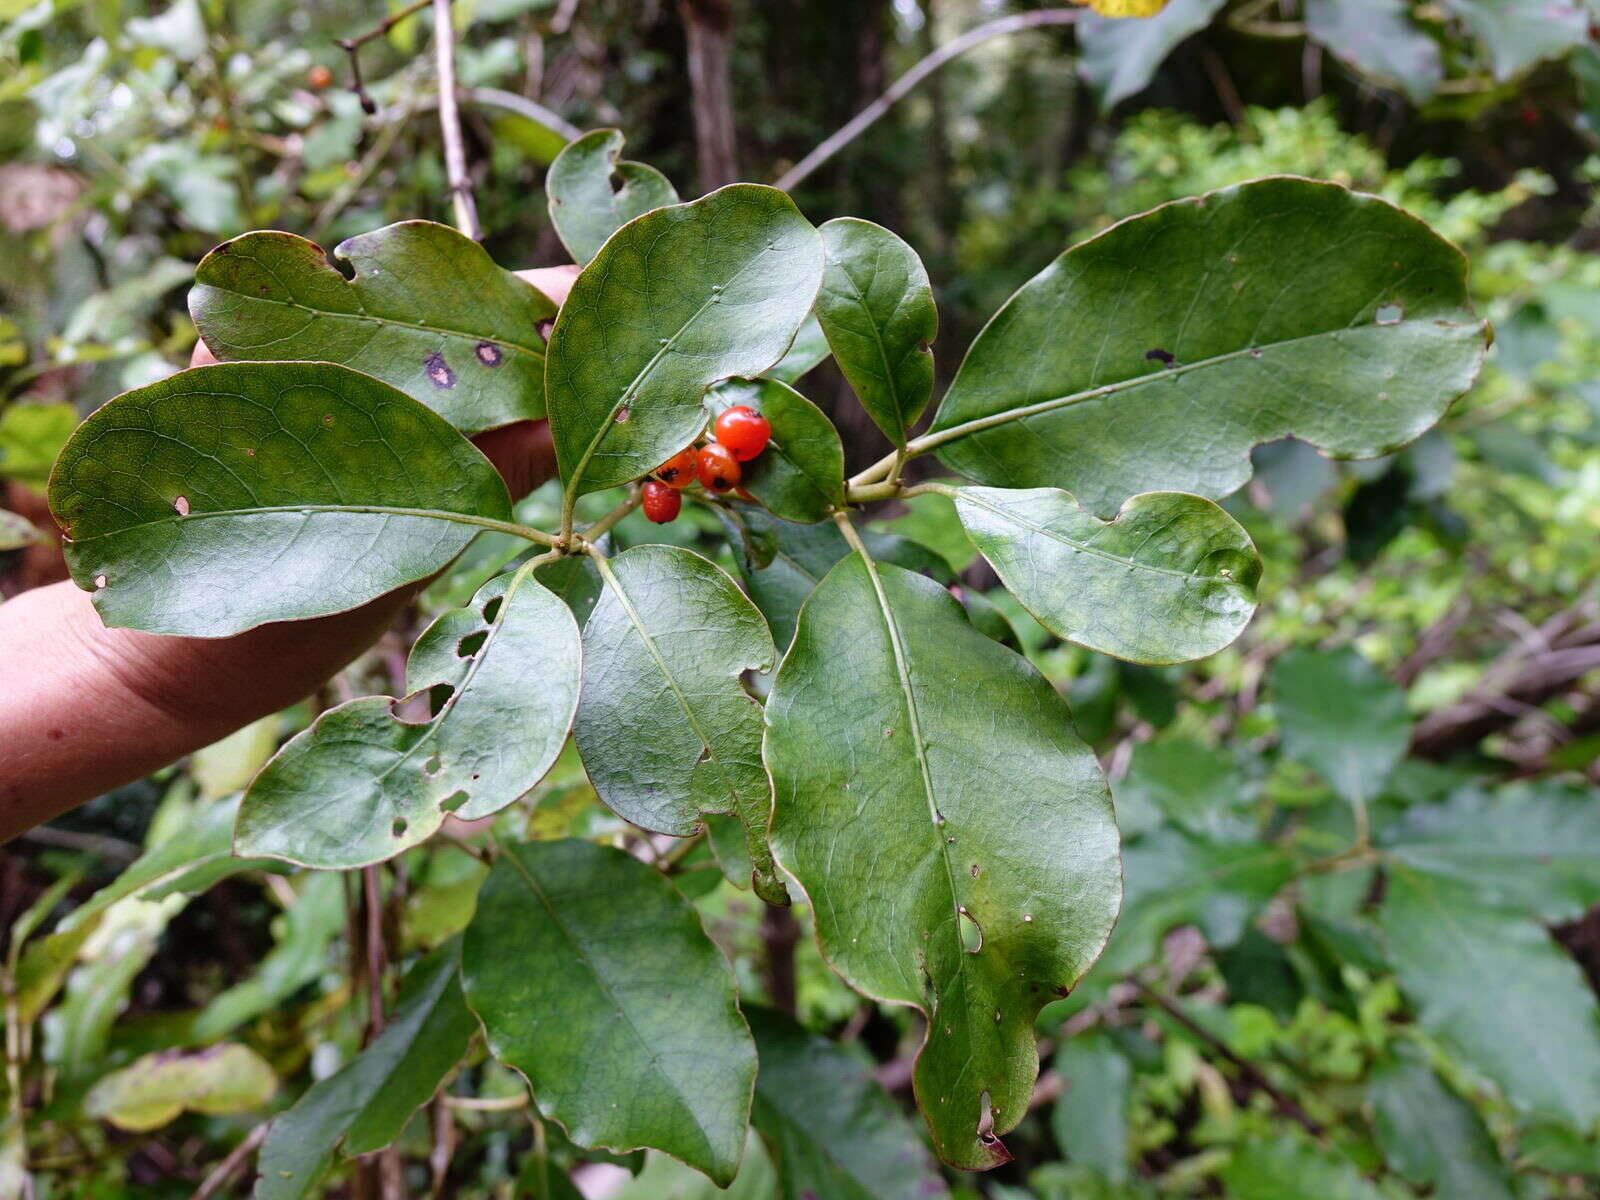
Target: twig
352	49
898	90
482	1104
493	98
1252	1074
562	21
375	951
218	1179
114	849
455	153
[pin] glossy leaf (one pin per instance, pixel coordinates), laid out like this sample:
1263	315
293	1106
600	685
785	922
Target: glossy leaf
594	192
809	349
1275	307
1341	716
181	498
800	475
953	834
832	1128
1379	39
156	1089
365	1105
1492	985
1432	1136
1090	1120
1520	33
665	728
593	977
1172	578
428	312
1119	58
1535	848
876	308
681	298
362	784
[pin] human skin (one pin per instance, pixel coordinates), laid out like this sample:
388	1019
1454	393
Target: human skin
85	708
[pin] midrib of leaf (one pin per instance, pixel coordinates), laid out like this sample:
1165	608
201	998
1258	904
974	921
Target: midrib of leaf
605	989
903	670
666	673
883	353
938	437
1082	548
437	514
366	315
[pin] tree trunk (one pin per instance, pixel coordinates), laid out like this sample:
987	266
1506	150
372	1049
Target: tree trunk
708	27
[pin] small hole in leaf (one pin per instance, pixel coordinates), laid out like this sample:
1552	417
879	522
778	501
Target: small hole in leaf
705	753
471	644
100	581
453	801
971	931
623	415
491	610
181	504
1255	352
398	829
327	418
1390	314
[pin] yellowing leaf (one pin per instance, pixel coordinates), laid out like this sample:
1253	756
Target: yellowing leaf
1127	8
155	1089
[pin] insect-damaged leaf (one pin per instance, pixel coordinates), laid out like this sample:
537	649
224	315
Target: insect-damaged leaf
428	312
594	978
678	299
876	308
666	730
361	784
1279	307
1172	578
594	192
953	834
231	495
800	475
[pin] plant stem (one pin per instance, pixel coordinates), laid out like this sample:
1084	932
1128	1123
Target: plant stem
455	154
603	526
847	527
218	1179
490	1104
352	49
681	851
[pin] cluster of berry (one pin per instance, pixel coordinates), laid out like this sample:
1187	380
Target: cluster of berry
741	433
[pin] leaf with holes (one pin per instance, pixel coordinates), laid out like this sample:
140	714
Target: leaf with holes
800	475
1172	578
876	307
832	1128
635	1038
365	1105
680	298
665	729
184	500
428	312
953	834
1279	307
594	192
363	783
1493	985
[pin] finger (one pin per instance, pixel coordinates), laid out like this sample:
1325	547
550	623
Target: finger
523	453
554	282
202	356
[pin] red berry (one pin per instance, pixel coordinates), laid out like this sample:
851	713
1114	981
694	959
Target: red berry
319	77
678	471
661	503
716	468
744	431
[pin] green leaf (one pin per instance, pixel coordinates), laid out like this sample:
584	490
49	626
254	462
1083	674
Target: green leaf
810	348
365	1105
800	475
1534	847
17	531
1339	715
593	193
1432	1136
679	299
31	436
953	834
1278	307
361	784
1187	782
1287	1168
156	1089
1495	987
832	1128
665	728
1172	578
1378	39
1520	33
1119	58
594	978
1090	1120
876	308
232	495
428	312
